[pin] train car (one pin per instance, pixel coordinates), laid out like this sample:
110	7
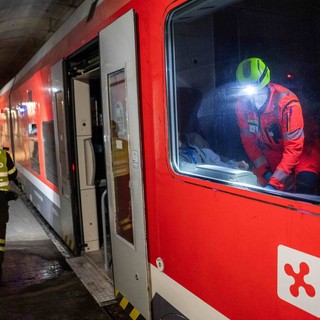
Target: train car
104	124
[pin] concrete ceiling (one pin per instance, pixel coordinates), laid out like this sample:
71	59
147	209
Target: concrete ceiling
25	25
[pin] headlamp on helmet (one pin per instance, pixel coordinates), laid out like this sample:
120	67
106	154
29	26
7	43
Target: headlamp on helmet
253	74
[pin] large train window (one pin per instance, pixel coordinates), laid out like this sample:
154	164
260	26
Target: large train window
243	80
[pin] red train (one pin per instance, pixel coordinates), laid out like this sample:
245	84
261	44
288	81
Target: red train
110	101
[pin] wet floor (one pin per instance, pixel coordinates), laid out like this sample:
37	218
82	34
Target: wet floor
37	283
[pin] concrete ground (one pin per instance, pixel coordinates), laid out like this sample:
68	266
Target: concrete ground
37	283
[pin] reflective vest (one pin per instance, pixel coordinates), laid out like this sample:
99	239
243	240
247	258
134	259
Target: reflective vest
273	136
4	179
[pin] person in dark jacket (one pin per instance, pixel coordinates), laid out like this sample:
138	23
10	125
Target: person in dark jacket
8	172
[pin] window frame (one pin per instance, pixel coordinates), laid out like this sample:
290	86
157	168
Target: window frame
201	174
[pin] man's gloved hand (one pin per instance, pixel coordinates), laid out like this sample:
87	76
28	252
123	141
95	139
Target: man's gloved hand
11	195
267	176
268	187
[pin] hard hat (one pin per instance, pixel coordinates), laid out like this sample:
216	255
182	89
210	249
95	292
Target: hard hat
253	71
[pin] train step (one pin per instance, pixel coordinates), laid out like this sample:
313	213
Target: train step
98	285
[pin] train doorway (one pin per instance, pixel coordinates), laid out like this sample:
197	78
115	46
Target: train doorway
123	160
104	134
87	156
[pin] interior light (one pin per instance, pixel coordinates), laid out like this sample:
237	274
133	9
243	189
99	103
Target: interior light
22	109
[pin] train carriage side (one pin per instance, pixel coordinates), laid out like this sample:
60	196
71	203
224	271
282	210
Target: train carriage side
217	238
110	102
60	139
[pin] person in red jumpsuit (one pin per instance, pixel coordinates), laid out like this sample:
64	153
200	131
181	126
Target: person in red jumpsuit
271	126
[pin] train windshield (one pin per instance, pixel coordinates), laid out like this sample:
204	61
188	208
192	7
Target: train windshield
243	79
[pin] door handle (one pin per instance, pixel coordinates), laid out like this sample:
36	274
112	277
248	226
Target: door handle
90	161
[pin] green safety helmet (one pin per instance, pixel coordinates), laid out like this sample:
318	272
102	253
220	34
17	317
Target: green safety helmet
253	71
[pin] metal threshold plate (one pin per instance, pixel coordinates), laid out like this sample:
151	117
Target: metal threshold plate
98	285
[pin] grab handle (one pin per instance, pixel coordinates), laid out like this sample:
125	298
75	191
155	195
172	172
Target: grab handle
90	162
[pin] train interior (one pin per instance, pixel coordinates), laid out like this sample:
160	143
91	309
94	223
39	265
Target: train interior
207	40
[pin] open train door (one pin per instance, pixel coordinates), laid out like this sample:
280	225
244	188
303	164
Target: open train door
123	161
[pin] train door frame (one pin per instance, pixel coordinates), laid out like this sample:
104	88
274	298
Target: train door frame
68	233
81	68
119	83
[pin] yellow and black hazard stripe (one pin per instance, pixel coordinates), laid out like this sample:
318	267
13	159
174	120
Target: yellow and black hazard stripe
2	244
128	308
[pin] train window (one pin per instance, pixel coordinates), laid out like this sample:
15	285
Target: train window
32	129
33	147
267	139
50	152
63	153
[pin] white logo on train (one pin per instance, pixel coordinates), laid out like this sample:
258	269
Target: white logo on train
299	279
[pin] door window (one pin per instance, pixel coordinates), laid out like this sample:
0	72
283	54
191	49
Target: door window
120	154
